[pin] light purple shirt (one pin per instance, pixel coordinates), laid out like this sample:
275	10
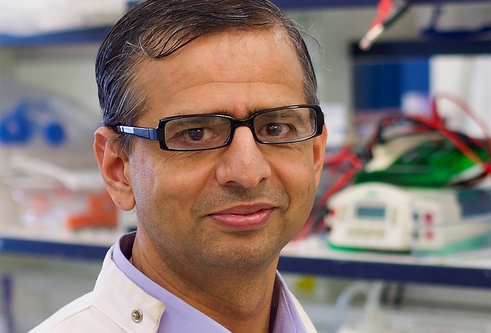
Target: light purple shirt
180	317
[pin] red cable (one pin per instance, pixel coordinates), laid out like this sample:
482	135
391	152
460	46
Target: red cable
461	103
435	122
336	160
384	8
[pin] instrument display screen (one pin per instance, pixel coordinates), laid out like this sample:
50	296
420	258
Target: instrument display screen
370	212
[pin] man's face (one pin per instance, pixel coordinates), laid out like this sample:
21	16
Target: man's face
235	206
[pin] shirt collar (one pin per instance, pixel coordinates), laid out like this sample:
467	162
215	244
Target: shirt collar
179	316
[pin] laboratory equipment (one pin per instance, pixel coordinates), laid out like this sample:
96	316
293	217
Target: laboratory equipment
379	216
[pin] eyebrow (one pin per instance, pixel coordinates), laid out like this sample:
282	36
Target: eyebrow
224	112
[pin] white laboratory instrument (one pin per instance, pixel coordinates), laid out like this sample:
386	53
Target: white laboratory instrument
379	216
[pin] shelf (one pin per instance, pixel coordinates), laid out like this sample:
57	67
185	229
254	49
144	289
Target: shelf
316	258
309	4
82	36
84	245
310	257
316	4
96	35
408	49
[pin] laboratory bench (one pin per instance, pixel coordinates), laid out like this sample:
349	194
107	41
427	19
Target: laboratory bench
310	256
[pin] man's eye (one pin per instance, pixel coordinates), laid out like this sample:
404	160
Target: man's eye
195	134
276	129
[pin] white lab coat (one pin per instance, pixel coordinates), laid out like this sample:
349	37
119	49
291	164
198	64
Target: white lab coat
110	306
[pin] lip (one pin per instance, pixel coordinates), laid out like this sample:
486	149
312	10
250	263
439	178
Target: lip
243	217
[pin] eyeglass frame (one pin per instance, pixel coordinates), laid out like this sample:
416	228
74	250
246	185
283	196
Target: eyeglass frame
157	133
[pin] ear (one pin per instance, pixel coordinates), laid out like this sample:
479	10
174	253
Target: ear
112	165
319	153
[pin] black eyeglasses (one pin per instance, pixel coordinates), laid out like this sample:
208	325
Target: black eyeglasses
285	124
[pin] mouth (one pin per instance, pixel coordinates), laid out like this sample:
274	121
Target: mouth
244	217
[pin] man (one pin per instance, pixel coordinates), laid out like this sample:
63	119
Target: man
211	130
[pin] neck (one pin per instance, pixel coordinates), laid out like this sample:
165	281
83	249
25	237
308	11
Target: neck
240	300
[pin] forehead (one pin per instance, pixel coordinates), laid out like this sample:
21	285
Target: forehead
233	71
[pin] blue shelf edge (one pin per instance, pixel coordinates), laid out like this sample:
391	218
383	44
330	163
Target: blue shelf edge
82	36
320	4
425	48
330	268
52	249
311	4
400	273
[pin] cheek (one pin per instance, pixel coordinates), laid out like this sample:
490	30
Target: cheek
166	187
158	202
296	172
143	177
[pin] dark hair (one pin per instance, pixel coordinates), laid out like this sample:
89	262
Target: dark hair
157	28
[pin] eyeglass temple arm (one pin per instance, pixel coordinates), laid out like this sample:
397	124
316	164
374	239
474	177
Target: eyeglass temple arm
142	132
320	121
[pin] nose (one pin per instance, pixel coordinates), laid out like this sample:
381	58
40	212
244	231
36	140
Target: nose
242	162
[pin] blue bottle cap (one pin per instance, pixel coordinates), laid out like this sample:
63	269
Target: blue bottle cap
54	134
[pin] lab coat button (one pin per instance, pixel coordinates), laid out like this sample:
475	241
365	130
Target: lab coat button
137	316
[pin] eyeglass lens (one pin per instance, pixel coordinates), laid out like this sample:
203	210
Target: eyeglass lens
200	132
206	132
